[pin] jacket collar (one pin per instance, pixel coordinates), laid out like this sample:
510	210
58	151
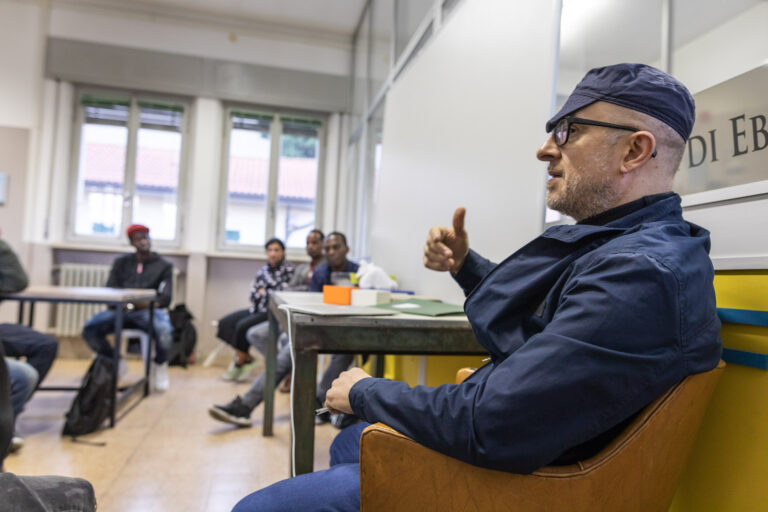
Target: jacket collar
661	209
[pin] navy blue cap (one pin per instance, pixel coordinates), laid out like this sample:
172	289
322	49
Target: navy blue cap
637	87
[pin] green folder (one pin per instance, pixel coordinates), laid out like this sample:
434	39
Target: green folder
423	307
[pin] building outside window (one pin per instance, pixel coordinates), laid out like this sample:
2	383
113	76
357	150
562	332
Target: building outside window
272	171
129	160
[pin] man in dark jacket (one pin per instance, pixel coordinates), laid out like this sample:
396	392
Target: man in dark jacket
142	269
585	325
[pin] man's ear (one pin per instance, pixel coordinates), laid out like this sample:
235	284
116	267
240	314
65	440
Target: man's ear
641	147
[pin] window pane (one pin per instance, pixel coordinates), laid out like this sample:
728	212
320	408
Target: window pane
157	181
381	44
158	157
101	170
297	181
408	15
248	179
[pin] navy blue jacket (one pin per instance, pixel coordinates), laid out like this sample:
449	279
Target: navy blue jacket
585	326
322	275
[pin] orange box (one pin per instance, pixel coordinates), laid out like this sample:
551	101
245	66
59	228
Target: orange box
341	295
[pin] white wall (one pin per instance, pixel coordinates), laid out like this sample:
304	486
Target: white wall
21	55
461	128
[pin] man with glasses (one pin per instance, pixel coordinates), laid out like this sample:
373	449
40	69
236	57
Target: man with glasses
585	325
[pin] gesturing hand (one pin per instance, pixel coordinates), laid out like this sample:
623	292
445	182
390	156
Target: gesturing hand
337	398
447	248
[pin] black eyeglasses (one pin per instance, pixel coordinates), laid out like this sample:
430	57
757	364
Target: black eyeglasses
563	129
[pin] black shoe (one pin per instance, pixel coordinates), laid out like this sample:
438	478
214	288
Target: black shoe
235	412
322	418
343	420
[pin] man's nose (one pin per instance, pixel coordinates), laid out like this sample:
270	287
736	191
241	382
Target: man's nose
549	150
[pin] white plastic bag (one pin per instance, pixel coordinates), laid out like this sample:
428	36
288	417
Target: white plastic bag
371	276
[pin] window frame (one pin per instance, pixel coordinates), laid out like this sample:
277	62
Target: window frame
275	131
129	179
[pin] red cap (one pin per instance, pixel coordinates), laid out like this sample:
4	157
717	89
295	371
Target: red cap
136	228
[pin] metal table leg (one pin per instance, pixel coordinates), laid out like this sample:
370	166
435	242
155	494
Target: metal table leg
116	369
304	377
270	364
152	341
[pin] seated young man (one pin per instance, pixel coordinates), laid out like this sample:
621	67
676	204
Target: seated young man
238	411
585	325
336	250
142	269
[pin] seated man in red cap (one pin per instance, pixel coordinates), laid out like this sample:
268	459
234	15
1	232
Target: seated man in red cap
142	269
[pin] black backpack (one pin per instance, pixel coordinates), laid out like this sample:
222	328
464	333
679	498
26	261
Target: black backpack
93	402
184	336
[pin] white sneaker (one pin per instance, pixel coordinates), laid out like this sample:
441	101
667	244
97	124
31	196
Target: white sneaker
160	376
16	443
122	368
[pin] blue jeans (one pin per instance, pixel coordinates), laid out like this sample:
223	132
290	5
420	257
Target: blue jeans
23	379
334	490
39	349
103	323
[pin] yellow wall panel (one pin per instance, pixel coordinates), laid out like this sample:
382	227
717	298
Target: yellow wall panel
728	469
740	289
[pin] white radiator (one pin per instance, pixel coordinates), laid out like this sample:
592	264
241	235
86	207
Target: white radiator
70	318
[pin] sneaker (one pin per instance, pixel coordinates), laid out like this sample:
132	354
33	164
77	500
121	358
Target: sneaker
232	372
246	370
160	376
322	418
343	420
16	443
285	386
122	368
235	412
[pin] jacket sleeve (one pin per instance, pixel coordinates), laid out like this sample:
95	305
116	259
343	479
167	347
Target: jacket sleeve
472	272
612	346
13	278
165	288
298	281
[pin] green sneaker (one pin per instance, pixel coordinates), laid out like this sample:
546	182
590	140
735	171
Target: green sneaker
233	371
246	370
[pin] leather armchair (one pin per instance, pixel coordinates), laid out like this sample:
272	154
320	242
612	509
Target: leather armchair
637	472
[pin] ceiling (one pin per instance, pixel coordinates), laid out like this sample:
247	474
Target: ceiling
332	18
596	32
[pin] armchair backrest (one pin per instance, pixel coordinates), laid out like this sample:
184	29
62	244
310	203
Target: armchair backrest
638	472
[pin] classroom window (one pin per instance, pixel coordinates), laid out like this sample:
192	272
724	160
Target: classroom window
272	174
129	161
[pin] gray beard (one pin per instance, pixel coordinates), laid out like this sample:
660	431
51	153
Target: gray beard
584	197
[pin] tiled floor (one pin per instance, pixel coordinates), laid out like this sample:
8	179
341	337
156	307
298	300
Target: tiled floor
166	454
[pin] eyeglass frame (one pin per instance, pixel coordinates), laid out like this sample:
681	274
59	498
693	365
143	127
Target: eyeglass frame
580	120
